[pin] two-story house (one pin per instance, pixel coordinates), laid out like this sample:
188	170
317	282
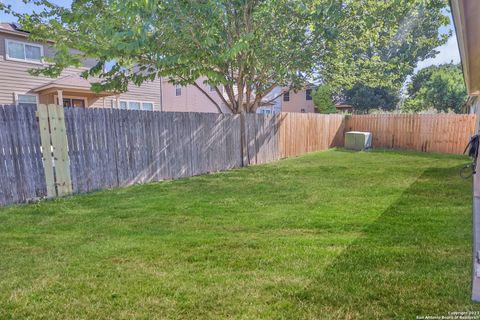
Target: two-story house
18	86
291	101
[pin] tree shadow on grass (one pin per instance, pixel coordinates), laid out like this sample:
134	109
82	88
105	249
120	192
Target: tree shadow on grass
413	260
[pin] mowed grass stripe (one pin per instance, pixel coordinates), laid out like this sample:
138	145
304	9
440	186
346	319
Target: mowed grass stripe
328	235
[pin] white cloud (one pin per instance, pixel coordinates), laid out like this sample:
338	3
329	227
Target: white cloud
447	53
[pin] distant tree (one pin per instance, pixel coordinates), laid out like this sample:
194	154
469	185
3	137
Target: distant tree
437	87
364	98
323	99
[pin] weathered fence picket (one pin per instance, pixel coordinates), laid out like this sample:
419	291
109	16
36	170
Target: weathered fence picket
55	151
22	176
121	147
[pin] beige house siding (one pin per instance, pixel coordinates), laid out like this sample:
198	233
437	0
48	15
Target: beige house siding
147	92
14	76
15	79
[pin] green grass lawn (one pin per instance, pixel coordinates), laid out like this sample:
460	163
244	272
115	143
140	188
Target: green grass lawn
330	235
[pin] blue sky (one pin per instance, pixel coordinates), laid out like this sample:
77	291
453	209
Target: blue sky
448	52
26	8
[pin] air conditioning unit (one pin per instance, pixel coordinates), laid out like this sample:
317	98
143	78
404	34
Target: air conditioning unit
358	140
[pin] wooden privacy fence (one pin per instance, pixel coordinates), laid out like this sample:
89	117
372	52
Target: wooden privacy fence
446	133
111	148
22	174
306	132
54	151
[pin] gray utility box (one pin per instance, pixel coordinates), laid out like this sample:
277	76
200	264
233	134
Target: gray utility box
358	140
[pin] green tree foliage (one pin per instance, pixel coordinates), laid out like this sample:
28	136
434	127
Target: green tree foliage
437	87
323	99
364	98
379	43
247	46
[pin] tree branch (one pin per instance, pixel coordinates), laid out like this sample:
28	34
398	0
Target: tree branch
220	94
259	97
208	96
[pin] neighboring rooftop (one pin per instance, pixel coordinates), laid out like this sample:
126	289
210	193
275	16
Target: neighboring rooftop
11	27
70	83
467	25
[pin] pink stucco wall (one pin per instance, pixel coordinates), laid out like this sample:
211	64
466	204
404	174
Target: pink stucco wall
193	100
190	100
298	102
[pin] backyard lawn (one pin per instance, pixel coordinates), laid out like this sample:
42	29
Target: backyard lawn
329	235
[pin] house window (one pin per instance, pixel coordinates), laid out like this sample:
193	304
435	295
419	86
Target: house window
22	51
136	105
286	96
73	102
148	106
26	99
308	94
178	90
133	105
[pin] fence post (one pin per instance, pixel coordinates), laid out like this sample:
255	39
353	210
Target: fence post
53	137
60	152
42	114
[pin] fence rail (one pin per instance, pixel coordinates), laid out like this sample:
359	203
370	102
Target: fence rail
53	151
446	133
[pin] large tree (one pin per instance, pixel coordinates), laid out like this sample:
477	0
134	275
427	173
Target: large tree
247	46
437	87
379	43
